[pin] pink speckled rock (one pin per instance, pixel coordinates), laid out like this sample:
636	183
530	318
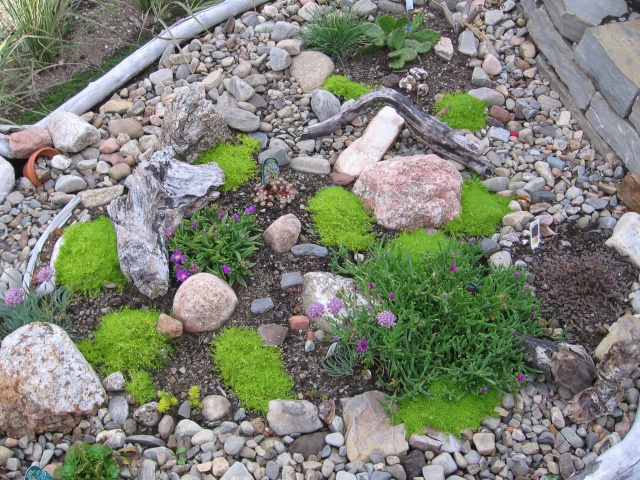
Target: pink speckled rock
24	143
283	234
411	192
204	303
169	326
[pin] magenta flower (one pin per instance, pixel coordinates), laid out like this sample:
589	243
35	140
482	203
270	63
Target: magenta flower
484	389
472	240
221	213
386	319
236	217
249	210
194	224
315	310
445	294
336	338
14	296
453	267
226	269
335	305
516	274
521	377
168	232
355	288
178	258
362	346
392	295
533	314
182	274
45	274
371	285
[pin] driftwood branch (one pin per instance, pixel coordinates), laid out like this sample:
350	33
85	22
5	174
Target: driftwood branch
429	130
459	19
134	64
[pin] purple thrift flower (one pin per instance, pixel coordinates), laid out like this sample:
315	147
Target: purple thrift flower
521	377
194	268
315	310
168	232
194	224
236	217
371	285
516	274
249	210
355	288
335	305
178	257
445	294
533	314
336	338
386	319
453	267
45	274
182	274
226	269
369	307
484	389
362	346
472	240
14	296
392	296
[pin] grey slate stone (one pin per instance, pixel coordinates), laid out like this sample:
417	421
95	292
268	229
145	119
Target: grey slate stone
468	44
242	120
280	59
634	118
324	104
283	30
479	78
542	196
309	249
497	184
560	56
240	89
317	165
572	17
261	305
619	133
488	96
291	279
610	55
278	153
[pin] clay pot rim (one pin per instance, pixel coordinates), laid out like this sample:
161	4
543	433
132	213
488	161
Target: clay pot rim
29	169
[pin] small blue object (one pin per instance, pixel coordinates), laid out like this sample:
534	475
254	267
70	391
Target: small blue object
34	473
270	170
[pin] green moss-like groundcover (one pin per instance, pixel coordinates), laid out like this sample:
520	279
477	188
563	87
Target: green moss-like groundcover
127	341
345	88
461	110
341	219
440	412
88	257
235	160
419	242
482	211
254	372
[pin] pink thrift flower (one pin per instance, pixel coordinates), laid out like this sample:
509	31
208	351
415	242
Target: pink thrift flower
453	267
362	346
315	310
45	274
14	296
386	319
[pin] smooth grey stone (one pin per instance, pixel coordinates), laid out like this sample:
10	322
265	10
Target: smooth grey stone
283	30
315	165
607	222
240	89
242	120
279	59
261	305
468	44
496	184
279	153
556	163
542	196
598	203
488	247
146	440
324	104
184	411
309	249
488	95
497	133
480	78
70	184
291	279
119	409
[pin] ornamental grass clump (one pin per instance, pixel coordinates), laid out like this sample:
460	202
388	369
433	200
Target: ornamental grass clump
216	242
446	318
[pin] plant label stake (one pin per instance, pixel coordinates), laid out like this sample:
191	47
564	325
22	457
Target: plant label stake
534	230
34	473
270	171
409	5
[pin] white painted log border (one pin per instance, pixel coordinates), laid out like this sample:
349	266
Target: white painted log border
135	63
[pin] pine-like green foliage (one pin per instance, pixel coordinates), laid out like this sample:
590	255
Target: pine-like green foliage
127	340
166	401
345	88
194	398
341	219
88	462
464	111
418	242
141	387
482	211
88	257
441	412
236	160
254	372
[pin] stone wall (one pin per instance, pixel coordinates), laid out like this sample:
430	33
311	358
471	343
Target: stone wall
596	69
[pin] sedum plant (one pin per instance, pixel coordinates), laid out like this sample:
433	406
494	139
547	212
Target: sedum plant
216	242
403	37
277	193
167	401
445	318
194	398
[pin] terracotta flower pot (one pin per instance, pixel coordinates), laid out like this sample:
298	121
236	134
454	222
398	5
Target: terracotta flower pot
29	169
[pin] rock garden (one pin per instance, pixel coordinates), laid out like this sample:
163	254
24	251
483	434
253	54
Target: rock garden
356	241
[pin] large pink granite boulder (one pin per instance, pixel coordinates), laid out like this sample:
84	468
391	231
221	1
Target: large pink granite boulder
204	303
25	142
407	193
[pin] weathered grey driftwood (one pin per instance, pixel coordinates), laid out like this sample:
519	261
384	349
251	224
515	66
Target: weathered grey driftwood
149	53
162	191
429	130
459	19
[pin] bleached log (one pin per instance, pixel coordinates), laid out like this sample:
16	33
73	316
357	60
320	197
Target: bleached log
135	63
429	130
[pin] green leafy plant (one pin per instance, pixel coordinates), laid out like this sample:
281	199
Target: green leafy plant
254	372
444	318
438	410
215	242
345	88
88	462
461	110
20	308
336	33
88	257
277	193
482	211
166	401
194	398
180	454
127	340
403	37
341	219
419	242
141	387
236	160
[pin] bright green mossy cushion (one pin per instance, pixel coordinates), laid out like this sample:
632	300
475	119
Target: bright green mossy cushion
443	413
254	372
419	242
482	211
235	160
88	257
345	88
127	341
341	219
461	110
